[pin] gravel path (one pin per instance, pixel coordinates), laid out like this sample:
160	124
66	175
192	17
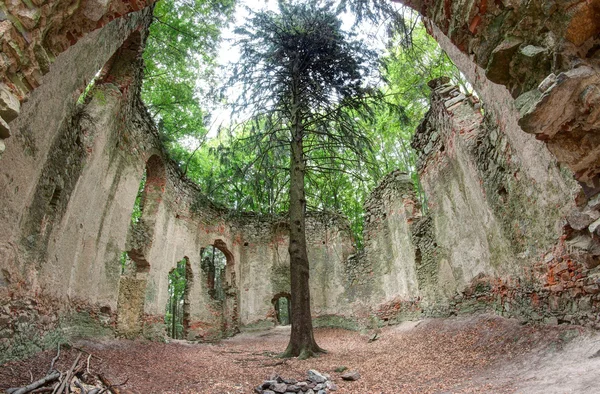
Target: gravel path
480	354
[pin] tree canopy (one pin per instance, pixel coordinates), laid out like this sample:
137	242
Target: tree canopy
320	118
180	67
233	174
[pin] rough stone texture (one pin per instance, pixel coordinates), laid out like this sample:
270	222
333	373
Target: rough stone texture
502	230
59	218
34	33
385	269
494	238
545	53
68	181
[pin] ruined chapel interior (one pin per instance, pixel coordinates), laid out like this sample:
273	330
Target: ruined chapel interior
511	176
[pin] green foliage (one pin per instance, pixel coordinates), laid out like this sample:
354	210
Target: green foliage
136	214
282	307
247	169
298	65
178	285
409	65
180	61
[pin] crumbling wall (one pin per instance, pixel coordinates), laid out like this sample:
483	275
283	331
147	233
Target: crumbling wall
501	222
70	176
501	232
546	55
265	272
383	275
60	235
34	33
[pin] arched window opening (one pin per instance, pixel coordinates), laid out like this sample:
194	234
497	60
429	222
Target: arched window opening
127	264
177	309
282	304
213	263
153	187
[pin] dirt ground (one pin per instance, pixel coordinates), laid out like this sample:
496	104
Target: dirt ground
479	354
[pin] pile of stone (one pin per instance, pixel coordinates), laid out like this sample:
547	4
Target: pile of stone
317	383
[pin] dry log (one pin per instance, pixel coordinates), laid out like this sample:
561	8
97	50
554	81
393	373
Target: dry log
65	383
39	383
42	390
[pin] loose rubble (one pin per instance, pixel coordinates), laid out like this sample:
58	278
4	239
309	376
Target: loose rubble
316	383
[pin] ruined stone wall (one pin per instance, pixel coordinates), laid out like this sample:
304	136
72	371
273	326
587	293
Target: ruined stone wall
69	178
34	33
499	232
385	268
59	235
546	55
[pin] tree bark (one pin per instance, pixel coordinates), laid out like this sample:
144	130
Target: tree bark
302	343
173	315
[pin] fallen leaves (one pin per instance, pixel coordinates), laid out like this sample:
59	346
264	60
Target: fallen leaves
441	355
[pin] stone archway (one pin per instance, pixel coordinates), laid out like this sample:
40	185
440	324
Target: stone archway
178	306
133	281
227	296
282	303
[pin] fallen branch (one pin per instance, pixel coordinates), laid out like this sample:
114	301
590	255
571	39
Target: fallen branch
73	380
30	387
54	360
113	388
65	383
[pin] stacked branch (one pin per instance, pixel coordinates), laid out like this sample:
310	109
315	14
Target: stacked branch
79	378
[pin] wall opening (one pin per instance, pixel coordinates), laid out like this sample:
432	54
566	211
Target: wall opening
282	305
127	264
218	267
153	187
213	263
177	313
145	208
133	262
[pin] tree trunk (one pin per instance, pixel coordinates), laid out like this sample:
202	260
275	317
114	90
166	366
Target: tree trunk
302	343
173	316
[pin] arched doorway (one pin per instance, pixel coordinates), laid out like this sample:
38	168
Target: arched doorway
213	262
282	304
134	265
217	264
177	313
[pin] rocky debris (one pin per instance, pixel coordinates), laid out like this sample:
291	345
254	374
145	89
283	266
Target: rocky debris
316	383
351	376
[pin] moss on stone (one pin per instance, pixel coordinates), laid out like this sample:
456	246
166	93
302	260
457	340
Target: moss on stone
28	340
257	326
336	321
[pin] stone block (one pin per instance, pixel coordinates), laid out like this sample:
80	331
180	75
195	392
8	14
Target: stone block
499	65
9	104
4	132
28	17
316	376
579	220
94	10
561	267
592	289
351	376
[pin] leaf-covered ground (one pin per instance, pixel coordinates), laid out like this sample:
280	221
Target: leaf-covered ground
482	354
